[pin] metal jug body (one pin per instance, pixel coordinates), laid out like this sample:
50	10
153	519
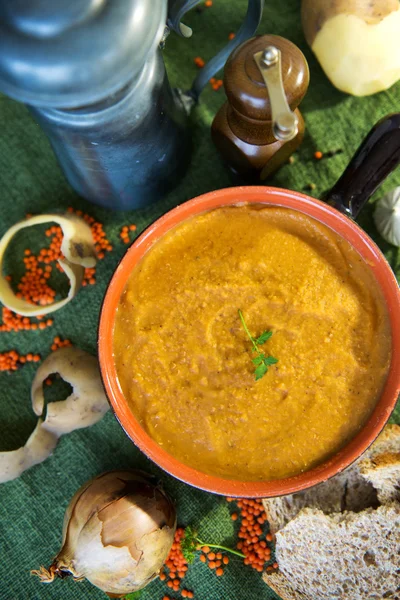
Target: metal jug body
126	151
93	77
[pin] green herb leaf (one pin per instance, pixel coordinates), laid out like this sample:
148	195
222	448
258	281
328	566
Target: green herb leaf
189	544
257	360
260	371
261	361
270	360
264	337
133	596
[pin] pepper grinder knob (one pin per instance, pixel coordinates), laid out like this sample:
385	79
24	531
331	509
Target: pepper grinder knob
259	126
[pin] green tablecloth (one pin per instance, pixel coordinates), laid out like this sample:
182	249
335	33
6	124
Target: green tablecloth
33	506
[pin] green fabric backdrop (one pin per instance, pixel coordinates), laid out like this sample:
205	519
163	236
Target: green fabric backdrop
32	507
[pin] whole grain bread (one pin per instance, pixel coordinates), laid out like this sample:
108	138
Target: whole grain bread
342	556
326	551
383	472
364	484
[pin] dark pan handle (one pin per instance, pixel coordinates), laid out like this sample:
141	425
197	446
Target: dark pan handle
374	160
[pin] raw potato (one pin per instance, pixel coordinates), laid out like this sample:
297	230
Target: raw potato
356	42
85	406
78	249
39	446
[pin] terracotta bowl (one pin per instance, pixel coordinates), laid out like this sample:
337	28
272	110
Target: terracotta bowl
337	221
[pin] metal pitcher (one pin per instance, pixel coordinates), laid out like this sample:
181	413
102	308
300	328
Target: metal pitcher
93	76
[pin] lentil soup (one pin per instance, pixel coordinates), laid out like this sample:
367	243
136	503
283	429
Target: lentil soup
184	361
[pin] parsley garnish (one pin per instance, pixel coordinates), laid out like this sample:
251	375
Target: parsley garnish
261	361
190	543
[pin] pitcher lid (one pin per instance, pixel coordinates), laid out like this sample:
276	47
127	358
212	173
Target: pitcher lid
67	54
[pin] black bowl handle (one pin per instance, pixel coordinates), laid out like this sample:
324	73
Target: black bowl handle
374	160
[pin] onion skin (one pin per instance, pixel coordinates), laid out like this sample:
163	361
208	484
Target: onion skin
118	530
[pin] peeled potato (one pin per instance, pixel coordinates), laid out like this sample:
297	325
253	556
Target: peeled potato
77	248
355	41
84	406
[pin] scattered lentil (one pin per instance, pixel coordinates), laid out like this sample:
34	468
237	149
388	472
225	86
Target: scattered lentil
175	563
231	36
318	155
216	83
34	287
124	233
252	544
251	533
199	62
11	360
59	343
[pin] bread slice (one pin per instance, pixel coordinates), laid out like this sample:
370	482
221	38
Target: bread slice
362	485
281	586
343	556
383	472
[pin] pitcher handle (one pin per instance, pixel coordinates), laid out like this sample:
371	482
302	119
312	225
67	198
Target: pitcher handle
178	8
375	159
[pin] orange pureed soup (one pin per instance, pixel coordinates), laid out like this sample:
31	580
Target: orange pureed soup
184	361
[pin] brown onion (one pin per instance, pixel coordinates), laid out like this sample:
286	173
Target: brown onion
118	531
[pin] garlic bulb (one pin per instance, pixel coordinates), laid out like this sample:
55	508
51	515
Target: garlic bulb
387	217
118	531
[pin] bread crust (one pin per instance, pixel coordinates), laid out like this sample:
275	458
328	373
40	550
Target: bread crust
355	535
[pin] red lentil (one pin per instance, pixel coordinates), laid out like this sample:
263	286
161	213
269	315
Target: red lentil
318	155
124	233
34	287
59	343
216	83
250	533
175	563
12	360
199	62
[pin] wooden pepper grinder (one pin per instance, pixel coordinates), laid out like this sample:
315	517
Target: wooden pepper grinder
256	131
